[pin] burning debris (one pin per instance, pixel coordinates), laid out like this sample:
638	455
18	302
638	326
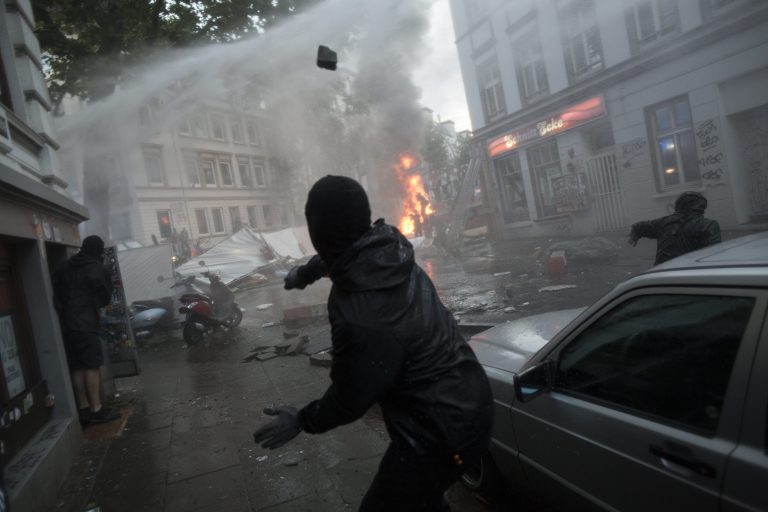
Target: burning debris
416	207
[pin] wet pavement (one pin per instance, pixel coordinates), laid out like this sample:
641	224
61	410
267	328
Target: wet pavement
187	442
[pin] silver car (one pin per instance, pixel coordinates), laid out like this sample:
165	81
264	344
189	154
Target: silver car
654	398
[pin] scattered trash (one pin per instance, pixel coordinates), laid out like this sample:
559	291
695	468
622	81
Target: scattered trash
557	287
266	356
592	249
323	359
510	309
292	459
524	304
269	324
291	348
500	274
262	458
557	264
264	307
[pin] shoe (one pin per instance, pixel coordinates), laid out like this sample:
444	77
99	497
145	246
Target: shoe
103	415
84	416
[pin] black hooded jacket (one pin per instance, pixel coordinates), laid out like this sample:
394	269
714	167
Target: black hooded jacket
81	287
395	343
684	231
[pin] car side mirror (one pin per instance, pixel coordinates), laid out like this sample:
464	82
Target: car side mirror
534	381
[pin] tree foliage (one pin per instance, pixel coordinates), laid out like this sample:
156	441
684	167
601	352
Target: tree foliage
91	45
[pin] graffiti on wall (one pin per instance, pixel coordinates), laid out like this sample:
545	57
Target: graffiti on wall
710	150
631	150
754	138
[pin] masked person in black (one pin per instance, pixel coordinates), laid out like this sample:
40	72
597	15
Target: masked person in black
81	288
394	344
684	231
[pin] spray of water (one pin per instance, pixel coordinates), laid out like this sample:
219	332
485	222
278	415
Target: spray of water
376	103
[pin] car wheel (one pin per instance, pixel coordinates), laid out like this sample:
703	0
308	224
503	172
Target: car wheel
191	335
481	477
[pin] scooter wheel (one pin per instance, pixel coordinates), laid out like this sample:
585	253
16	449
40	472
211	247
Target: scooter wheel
235	318
191	335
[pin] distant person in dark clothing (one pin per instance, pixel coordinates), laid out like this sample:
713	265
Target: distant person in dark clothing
394	344
81	288
684	231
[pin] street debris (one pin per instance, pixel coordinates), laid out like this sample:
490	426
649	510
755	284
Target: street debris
322	359
270	324
501	274
263	307
593	249
510	309
262	458
292	458
557	288
293	347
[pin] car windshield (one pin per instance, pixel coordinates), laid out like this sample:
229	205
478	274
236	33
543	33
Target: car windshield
247	165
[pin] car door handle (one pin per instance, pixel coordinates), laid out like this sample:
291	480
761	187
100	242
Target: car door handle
692	463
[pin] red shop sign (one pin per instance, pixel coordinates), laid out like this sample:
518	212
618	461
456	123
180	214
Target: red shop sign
571	117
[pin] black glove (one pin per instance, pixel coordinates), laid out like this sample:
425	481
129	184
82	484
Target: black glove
281	430
300	277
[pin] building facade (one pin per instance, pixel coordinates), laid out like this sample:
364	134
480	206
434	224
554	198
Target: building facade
39	431
205	176
593	114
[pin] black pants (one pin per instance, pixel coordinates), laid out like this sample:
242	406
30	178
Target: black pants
409	482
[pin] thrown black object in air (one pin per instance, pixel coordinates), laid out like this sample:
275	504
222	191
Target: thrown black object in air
326	58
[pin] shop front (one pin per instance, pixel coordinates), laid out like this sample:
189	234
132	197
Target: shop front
543	171
37	430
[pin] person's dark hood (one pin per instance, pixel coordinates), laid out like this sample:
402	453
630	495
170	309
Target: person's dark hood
691	202
382	258
82	259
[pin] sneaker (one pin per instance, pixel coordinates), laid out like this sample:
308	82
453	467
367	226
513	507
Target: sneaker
103	415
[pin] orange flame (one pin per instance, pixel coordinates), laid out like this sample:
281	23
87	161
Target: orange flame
416	206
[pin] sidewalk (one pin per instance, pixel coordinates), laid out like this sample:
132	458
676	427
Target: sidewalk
187	444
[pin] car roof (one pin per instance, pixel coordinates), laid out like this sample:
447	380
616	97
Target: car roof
739	262
750	250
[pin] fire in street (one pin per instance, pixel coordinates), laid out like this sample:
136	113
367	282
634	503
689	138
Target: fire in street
416	205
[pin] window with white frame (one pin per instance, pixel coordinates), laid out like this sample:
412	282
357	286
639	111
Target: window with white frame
202	221
153	166
491	89
217	127
199	126
285	217
193	173
244	169
581	39
225	170
164	223
234	218
217	214
650	20
531	72
258	171
253	217
236	126
677	161
546	172
511	190
208	168
267	211
252	129
185	127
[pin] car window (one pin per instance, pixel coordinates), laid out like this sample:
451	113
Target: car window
668	356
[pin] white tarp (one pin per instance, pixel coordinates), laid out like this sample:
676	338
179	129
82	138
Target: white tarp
247	251
140	269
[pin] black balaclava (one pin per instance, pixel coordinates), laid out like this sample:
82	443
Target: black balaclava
338	214
690	202
93	246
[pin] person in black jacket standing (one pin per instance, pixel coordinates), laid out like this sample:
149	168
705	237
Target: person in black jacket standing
394	344
684	231
81	288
